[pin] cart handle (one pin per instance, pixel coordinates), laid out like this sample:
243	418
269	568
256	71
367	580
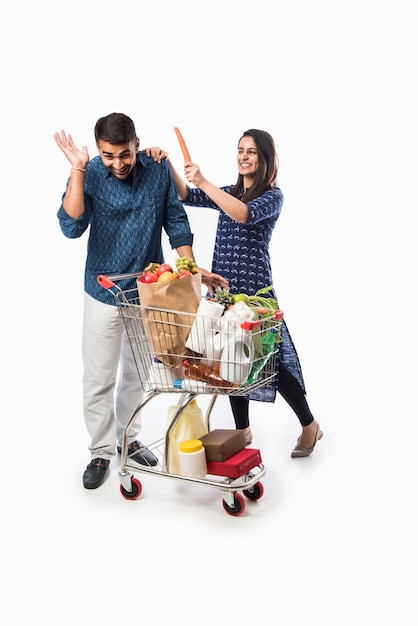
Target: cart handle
105	282
252	324
108	281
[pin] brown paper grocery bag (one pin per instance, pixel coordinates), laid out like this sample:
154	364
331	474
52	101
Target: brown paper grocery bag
165	307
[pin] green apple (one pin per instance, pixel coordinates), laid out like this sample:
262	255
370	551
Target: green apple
240	297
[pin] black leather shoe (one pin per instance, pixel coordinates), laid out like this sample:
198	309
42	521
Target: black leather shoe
140	454
95	473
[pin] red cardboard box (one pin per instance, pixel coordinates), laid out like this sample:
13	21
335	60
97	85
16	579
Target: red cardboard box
237	465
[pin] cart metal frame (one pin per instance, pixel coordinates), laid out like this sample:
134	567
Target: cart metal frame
135	317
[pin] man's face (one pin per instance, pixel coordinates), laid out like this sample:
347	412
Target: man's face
119	159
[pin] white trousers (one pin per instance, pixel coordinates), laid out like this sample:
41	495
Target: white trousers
111	384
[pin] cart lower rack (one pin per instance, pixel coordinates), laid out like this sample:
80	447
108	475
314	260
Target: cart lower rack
190	355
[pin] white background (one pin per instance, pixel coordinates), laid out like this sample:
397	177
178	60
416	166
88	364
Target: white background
333	540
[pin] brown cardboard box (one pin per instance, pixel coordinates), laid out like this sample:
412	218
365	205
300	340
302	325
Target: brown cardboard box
220	444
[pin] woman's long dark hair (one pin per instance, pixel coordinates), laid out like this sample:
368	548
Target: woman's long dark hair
268	167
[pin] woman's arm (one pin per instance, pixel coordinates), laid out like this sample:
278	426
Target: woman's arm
230	205
233	207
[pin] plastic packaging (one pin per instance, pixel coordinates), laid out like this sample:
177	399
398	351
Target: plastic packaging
192	458
213	350
237	357
190	425
238	313
268	346
230	322
162	375
203	329
197	370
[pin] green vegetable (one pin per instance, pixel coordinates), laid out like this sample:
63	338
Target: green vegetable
267	348
270	305
266	303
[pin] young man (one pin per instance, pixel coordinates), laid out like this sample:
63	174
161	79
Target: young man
124	200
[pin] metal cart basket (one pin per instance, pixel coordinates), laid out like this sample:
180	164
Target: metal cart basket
160	340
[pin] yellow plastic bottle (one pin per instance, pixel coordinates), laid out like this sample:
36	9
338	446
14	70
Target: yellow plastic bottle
190	425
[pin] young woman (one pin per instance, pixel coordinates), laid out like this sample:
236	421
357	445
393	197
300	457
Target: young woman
248	213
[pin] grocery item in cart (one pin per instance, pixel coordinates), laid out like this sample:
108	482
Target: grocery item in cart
268	345
204	329
190	425
226	326
165	307
238	465
192	458
237	356
222	443
162	376
197	369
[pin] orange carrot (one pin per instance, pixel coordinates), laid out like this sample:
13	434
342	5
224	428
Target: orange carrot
183	146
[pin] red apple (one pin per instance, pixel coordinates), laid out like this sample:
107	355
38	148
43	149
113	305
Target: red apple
164	267
149	277
184	274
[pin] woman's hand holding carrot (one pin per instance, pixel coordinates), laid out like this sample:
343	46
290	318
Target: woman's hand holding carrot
193	174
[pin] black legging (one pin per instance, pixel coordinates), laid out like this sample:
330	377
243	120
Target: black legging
288	388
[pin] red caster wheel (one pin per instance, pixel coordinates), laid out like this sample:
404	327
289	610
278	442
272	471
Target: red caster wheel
255	492
134	493
238	506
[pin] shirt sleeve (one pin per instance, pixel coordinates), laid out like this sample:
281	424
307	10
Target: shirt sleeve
70	226
268	205
197	198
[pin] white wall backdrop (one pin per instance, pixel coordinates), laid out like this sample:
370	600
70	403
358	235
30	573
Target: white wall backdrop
335	84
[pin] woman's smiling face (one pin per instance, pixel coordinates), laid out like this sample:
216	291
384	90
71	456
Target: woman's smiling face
247	157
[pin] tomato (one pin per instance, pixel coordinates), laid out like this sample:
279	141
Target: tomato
184	274
164	267
240	297
166	276
149	277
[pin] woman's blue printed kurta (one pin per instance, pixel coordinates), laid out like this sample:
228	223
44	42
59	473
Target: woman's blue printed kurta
241	254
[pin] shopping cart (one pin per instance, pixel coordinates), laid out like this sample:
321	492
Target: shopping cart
162	368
